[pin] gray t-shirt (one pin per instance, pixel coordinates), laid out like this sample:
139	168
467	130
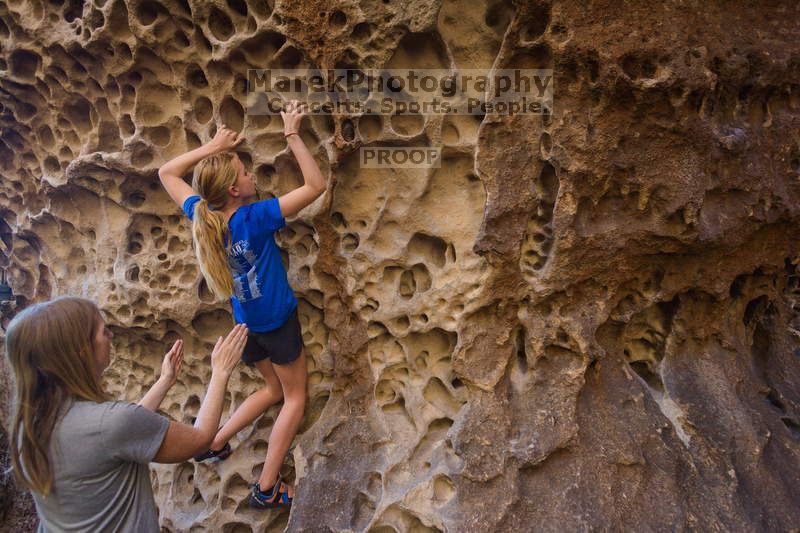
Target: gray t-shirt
101	482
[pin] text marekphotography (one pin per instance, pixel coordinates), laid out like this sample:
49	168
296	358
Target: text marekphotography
402	91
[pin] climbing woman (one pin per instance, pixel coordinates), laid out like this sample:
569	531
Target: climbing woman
83	456
237	254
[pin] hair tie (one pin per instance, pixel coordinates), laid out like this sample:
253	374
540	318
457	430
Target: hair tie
208	205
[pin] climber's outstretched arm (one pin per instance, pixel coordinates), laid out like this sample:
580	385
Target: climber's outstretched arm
172	172
314	182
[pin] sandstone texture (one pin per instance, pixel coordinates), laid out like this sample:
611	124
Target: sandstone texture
584	320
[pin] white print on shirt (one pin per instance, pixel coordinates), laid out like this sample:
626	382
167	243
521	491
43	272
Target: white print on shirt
246	284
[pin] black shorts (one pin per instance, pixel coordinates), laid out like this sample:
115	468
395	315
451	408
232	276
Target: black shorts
282	345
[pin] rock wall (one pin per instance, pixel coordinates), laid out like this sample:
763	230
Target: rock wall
582	320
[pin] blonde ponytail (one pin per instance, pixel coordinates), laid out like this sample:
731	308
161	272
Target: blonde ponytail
212	178
209	232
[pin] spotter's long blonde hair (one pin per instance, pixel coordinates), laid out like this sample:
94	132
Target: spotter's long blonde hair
51	352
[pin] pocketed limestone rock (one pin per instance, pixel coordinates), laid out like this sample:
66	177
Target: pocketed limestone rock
582	320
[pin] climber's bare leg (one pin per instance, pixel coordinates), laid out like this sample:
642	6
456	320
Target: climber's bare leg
293	378
254	406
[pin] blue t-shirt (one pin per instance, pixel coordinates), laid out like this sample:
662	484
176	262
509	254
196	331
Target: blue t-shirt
262	297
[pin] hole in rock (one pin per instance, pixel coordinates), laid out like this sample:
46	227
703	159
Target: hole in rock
522	356
232	113
239	6
646	373
203	110
499	15
362	31
261	48
370	127
196	77
290	58
792	425
350	242
407	123
428	247
220	24
51	165
73	10
774	399
24	64
136	199
160	135
348	131
126	125
132	274
338	20
147	12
